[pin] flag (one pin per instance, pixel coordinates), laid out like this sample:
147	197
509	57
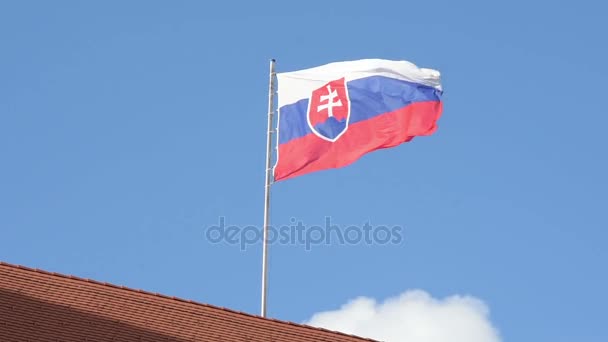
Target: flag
331	115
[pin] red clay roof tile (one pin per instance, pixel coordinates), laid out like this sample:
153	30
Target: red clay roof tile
37	306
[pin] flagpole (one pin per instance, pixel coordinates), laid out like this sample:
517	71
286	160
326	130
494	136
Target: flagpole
267	189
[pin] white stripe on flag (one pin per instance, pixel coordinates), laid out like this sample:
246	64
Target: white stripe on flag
297	85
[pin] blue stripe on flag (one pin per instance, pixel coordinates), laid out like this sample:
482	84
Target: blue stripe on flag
369	97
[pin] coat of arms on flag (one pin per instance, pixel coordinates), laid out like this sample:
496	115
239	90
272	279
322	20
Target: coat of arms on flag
329	109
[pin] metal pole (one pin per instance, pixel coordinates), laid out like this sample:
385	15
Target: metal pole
267	189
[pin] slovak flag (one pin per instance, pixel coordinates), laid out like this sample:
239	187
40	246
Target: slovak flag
331	115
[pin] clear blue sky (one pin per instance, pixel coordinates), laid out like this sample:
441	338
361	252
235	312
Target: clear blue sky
128	127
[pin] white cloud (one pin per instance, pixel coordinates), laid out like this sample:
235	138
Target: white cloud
413	316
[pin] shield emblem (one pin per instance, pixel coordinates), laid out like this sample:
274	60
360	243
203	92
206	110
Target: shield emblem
329	110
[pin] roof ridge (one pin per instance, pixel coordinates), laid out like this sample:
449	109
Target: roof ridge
156	294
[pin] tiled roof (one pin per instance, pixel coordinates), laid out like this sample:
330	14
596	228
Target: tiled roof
37	306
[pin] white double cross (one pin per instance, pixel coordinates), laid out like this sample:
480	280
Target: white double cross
331	95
